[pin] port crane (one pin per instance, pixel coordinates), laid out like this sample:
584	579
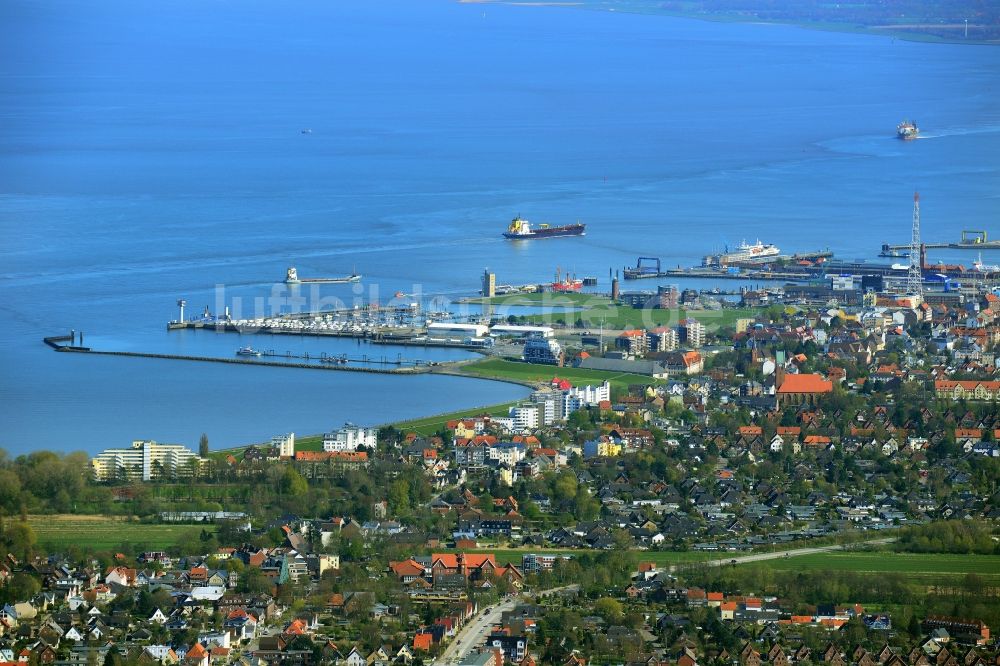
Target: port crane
639	268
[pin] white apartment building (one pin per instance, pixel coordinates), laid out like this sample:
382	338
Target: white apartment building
144	460
285	445
349	438
578	397
526	417
693	333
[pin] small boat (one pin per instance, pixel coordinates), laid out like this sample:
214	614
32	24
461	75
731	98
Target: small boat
307	131
248	351
907	130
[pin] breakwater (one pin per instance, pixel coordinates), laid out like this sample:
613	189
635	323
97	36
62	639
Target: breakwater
337	367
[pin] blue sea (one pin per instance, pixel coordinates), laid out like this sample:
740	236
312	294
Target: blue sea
155	151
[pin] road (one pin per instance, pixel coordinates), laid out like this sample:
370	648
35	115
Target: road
760	557
476	630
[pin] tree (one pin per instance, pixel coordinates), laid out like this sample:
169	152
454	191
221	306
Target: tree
609	609
203	446
292	483
22	587
19	539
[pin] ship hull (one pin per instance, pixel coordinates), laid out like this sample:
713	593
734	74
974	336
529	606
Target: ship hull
551	232
334	280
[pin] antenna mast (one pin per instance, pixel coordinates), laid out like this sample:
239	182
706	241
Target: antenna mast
915	276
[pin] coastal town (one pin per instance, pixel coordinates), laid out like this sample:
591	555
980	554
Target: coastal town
500	333
650	502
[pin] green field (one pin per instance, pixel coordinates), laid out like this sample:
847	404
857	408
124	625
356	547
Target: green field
528	372
431	424
616	317
106	533
661	558
596	309
926	565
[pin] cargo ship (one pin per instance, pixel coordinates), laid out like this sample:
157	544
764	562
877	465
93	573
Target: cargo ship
520	229
907	130
292	277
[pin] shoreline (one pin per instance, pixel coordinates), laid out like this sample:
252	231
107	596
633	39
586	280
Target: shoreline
443	416
875	30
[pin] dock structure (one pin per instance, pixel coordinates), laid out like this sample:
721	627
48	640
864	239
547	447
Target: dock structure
651	267
972	239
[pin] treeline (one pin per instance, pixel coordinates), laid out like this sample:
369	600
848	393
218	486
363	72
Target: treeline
949	536
910	597
48	482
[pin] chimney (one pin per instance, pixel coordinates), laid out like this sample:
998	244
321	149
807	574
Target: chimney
614	289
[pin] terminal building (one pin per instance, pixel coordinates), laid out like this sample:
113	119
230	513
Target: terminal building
145	460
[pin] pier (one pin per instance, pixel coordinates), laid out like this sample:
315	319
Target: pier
970	240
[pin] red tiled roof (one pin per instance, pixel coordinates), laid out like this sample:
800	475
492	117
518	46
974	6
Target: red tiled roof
450	560
968	385
321	456
805	384
422	642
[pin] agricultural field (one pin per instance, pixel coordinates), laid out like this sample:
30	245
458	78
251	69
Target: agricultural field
528	372
107	532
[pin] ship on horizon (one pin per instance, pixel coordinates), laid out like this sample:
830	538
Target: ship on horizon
292	277
907	130
520	229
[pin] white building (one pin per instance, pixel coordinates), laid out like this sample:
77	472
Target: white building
145	460
578	397
447	330
349	438
662	339
285	445
521	331
550	404
507	453
526	417
692	333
